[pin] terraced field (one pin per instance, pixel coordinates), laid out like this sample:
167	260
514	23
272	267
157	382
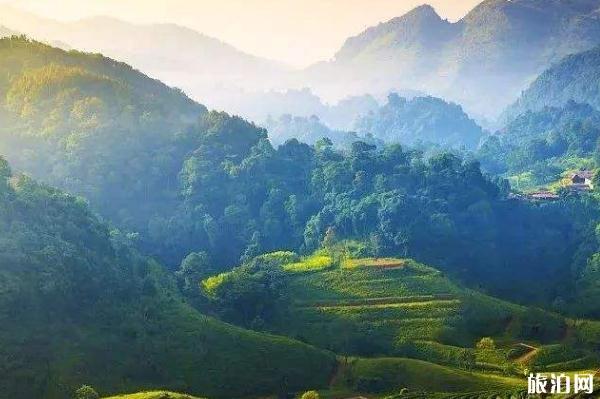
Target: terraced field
400	308
387	303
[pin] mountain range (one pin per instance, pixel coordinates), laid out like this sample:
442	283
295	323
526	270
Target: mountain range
482	61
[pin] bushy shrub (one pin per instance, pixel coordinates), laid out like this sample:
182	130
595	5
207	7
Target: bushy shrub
86	392
486	343
310	395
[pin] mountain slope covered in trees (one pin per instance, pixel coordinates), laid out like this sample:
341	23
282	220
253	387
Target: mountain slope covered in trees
544	142
575	78
425	120
185	180
482	61
80	306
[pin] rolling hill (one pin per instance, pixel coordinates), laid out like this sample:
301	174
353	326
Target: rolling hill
392	321
482	61
80	306
372	307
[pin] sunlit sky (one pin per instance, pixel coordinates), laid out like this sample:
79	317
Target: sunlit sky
297	32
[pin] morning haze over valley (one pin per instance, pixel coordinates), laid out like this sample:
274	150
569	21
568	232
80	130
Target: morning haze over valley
280	199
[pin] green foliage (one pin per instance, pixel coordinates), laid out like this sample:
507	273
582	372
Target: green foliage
250	295
78	304
575	78
315	262
310	130
154	395
310	395
86	392
190	181
544	143
486	344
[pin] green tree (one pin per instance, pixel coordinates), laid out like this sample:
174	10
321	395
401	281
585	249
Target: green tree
194	268
86	392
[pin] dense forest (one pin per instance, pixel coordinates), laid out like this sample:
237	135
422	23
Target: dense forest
80	306
544	142
186	180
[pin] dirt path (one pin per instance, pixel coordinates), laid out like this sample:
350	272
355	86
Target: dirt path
529	355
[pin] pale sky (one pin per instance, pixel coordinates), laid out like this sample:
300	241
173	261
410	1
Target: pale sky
297	32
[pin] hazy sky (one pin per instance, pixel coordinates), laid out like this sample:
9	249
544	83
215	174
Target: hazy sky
298	32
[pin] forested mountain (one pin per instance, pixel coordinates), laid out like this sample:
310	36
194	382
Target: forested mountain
78	306
575	78
92	126
421	120
482	61
207	68
153	162
544	142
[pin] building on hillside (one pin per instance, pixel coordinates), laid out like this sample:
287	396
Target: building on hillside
582	180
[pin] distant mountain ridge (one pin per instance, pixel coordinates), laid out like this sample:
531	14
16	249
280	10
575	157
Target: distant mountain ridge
482	61
201	65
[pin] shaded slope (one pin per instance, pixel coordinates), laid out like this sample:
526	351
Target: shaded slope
79	306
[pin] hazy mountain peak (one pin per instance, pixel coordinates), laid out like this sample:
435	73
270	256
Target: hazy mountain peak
420	27
422	11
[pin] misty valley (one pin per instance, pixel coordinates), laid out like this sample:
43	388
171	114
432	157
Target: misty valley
417	217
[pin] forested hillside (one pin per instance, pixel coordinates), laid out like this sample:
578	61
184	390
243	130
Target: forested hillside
157	164
207	68
424	120
575	78
79	306
544	143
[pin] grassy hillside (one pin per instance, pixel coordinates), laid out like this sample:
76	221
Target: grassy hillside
79	306
387	304
378	307
383	375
